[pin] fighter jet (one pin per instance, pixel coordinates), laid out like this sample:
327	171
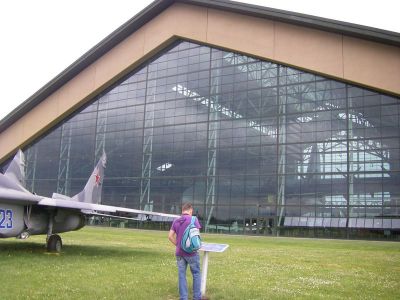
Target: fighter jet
23	213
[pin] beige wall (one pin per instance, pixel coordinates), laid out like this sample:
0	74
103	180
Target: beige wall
367	63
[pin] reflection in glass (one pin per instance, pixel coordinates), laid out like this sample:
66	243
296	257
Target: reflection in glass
247	141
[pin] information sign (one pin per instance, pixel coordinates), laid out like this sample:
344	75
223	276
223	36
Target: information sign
208	247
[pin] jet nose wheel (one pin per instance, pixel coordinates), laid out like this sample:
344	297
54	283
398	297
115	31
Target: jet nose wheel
54	243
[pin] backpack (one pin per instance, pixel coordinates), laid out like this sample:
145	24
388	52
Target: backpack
191	241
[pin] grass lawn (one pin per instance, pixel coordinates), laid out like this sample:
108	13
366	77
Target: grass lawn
110	263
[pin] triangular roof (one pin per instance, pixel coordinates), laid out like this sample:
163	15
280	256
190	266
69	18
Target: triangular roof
203	21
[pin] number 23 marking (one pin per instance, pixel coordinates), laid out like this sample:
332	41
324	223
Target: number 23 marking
6	218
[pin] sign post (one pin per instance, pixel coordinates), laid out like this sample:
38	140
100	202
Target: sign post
207	247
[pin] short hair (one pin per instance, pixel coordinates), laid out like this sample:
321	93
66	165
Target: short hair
187	206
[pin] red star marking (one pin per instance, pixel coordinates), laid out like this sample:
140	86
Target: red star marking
97	179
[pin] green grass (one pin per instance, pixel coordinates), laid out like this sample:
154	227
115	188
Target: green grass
109	263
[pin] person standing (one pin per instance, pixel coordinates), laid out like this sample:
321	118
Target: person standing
182	258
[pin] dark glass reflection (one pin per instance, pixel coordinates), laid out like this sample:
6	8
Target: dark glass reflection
256	146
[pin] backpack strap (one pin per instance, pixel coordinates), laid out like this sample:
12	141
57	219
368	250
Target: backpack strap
193	220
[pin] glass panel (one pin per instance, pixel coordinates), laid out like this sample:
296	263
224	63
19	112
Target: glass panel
240	137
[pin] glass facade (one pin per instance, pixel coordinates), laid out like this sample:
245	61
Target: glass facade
258	147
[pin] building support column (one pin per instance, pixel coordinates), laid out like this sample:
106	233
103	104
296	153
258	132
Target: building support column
350	174
30	168
63	178
101	129
212	139
281	168
147	155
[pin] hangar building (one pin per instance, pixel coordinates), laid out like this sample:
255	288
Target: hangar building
270	122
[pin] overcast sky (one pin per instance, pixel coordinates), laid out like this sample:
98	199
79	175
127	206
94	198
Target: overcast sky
41	38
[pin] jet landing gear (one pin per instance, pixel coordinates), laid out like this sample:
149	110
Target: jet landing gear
53	241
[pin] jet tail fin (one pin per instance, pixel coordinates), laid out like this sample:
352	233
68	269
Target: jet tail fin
92	190
16	168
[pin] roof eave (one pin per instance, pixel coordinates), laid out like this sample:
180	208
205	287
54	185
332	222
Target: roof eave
350	29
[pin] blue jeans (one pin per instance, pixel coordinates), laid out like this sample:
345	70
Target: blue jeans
194	264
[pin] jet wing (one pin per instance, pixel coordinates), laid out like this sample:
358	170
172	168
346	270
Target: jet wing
18	197
107	210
